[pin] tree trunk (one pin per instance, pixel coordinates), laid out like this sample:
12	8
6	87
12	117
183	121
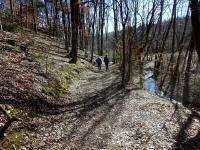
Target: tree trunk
93	32
69	25
98	32
102	26
124	56
47	17
26	16
186	89
82	29
74	19
55	23
21	13
115	10
195	16
11	7
34	10
130	48
1	27
180	48
64	26
124	18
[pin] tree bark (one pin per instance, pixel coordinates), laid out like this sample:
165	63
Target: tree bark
55	22
34	10
47	17
74	19
195	16
186	89
115	10
11	7
102	26
93	31
64	26
124	56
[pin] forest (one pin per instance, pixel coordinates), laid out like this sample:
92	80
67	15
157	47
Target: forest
99	74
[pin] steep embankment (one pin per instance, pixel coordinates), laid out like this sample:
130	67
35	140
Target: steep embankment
34	74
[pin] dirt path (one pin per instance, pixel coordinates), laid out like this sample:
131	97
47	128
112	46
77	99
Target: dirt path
100	115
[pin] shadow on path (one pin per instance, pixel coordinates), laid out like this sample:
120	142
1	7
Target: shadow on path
92	111
41	105
182	140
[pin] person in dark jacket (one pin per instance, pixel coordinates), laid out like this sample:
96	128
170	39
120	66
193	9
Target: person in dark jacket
106	61
99	62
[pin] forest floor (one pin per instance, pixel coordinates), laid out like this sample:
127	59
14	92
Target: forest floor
99	114
96	113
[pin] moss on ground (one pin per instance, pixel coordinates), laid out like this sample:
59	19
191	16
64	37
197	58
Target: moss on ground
20	113
17	112
11	48
72	71
53	88
12	27
38	56
17	49
65	77
12	141
33	114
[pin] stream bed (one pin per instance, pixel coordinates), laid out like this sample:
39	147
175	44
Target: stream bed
151	86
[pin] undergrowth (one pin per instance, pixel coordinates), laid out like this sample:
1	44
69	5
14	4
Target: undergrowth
12	141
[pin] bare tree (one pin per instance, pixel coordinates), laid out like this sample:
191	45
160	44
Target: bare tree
115	11
64	26
187	74
195	15
47	16
93	30
124	14
34	4
11	6
56	19
75	23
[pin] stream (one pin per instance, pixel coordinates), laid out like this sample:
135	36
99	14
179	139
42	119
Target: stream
151	86
150	82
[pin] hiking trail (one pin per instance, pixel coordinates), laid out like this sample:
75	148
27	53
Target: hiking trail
99	114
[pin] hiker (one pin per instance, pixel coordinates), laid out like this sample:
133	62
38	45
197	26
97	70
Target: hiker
106	61
99	62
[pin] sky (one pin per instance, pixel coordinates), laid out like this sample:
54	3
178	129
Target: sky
181	11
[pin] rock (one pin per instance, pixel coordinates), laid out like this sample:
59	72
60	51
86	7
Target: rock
11	42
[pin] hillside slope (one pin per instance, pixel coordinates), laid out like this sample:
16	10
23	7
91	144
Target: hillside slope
34	74
65	106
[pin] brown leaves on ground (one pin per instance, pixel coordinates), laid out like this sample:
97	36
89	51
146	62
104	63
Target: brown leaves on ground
17	76
98	115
